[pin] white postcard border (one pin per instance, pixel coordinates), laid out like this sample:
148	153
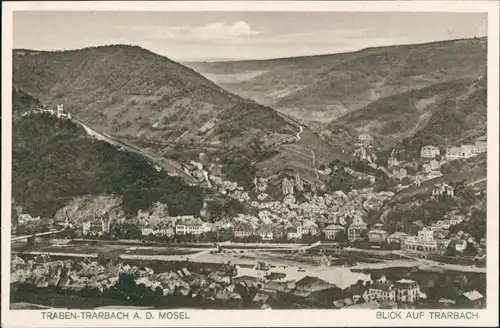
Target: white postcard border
206	318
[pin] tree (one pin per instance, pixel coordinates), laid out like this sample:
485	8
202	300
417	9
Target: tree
341	237
340	179
108	258
210	236
309	238
126	230
469	250
233	208
406	181
239	168
450	251
372	217
225	235
16	210
229	269
67	233
254	238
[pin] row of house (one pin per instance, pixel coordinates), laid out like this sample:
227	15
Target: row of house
26	218
181	225
453	153
96	227
466	151
356	287
271	231
277	231
403	290
164	226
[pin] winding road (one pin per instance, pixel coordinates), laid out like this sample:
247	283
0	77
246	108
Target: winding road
165	164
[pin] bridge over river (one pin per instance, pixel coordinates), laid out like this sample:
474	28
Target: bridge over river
31	238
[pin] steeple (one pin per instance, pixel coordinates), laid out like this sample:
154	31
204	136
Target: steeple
298	181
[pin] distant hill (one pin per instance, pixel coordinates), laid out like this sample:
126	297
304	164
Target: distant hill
442	114
132	92
157	105
55	161
326	87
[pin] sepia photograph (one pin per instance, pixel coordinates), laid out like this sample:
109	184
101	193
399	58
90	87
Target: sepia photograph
175	161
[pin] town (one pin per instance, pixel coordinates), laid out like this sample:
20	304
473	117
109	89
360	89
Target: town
292	212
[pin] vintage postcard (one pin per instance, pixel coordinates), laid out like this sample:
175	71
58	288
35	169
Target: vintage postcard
210	164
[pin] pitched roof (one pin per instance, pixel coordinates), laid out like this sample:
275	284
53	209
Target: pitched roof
473	295
334	227
357	289
398	234
310	225
377	231
309	280
381	286
226	294
244	226
275	276
343	302
245	279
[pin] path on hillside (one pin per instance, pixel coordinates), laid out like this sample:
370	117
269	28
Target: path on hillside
470	184
163	163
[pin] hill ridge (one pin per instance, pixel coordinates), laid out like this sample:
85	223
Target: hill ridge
322	88
134	92
483	38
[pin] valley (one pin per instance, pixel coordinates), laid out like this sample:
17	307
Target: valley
331	164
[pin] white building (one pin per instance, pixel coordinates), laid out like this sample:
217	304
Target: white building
460	246
96	227
442	189
426	234
429	152
365	138
462	152
310	228
382	291
407	291
294	232
158	230
440	225
397	237
424	242
25	218
189	225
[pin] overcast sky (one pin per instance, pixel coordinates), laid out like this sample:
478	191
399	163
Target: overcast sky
208	36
